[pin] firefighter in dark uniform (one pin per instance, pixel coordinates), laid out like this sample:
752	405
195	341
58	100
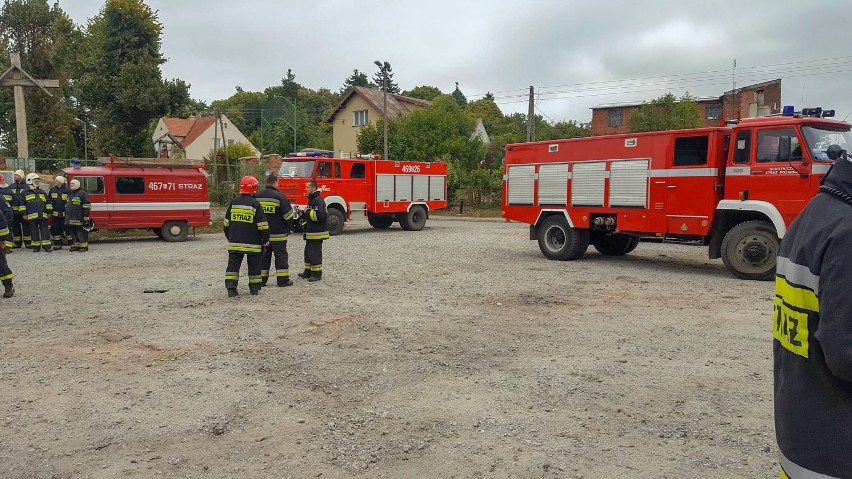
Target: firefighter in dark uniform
247	232
38	210
20	227
59	194
5	273
314	222
7	213
77	211
279	213
813	333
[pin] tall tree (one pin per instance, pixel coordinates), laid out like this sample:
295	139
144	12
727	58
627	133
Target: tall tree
459	96
357	78
119	77
423	92
385	70
666	113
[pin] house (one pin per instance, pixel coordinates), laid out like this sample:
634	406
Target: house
362	106
195	137
760	99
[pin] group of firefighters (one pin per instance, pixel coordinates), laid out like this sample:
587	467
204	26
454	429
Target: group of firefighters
257	226
38	219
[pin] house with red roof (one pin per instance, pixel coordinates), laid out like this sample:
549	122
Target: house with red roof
195	137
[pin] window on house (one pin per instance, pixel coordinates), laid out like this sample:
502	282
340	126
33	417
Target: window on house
713	111
743	147
230	142
690	151
217	143
615	118
359	118
357	171
778	145
94	185
130	185
758	97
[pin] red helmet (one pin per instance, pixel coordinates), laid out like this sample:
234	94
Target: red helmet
249	185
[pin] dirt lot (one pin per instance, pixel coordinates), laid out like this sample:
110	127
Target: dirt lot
458	351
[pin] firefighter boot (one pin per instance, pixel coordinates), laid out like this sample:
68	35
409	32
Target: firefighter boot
284	281
263	281
232	292
305	274
8	289
74	247
254	288
36	249
317	275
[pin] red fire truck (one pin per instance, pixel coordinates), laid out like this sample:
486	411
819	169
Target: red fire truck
167	196
735	189
385	191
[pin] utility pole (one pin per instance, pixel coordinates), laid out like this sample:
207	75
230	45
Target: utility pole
531	116
385	106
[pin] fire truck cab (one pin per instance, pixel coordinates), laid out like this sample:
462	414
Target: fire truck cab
385	191
166	196
735	189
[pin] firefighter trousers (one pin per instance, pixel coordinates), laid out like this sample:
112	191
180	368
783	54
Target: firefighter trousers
5	272
313	257
282	266
60	232
79	237
235	261
20	231
40	235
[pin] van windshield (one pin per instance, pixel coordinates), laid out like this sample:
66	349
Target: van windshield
297	169
819	138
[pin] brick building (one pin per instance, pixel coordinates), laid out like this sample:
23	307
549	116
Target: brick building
760	99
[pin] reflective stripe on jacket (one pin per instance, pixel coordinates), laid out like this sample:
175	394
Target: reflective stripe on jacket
245	225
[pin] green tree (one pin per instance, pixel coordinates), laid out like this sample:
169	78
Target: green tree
666	113
357	78
378	79
423	92
181	105
459	96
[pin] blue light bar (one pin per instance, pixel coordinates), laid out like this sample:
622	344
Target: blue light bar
788	110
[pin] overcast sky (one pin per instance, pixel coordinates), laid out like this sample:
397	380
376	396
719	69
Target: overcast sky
577	54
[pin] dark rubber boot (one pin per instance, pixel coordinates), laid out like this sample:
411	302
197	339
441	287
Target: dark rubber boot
36	250
232	292
254	290
284	281
8	289
73	248
317	275
305	274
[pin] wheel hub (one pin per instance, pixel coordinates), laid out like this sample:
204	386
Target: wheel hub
755	251
557	238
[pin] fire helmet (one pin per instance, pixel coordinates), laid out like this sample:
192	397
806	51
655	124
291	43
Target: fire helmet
60	179
75	184
89	225
32	177
249	185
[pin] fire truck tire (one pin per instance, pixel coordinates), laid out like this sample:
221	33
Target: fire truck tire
336	218
559	241
158	232
750	249
414	220
174	231
380	221
615	245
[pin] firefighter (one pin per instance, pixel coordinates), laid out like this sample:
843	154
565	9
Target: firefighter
247	233
20	227
279	213
77	211
59	194
812	331
37	210
7	213
5	273
315	225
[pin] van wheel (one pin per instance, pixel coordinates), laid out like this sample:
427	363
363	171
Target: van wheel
158	232
335	221
559	241
380	221
615	245
750	249
175	231
414	220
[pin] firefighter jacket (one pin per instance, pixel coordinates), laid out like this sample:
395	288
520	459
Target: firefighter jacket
813	335
6	192
77	208
37	206
5	234
6	209
19	189
279	212
58	197
316	217
245	225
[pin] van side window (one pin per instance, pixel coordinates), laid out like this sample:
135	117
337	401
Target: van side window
130	185
324	169
778	145
94	185
743	146
337	169
357	171
691	150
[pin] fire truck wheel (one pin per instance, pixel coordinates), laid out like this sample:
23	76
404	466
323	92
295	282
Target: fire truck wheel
380	221
615	245
175	231
559	241
335	221
414	220
750	249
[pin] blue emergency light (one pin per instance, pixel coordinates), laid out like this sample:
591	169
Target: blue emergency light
75	163
788	110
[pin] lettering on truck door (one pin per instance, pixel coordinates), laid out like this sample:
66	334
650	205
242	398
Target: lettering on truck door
777	168
690	181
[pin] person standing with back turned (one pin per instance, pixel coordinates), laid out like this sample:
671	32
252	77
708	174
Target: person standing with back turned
77	211
314	220
279	214
247	233
812	331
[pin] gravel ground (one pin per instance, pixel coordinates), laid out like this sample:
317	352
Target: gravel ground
457	351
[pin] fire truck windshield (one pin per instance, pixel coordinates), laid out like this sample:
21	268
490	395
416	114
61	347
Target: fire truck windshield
819	138
297	169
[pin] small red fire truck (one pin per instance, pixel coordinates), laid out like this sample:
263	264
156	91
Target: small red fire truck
167	196
385	191
735	189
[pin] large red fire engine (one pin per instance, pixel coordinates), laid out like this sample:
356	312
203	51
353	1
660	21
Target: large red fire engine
385	191
735	189
167	196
